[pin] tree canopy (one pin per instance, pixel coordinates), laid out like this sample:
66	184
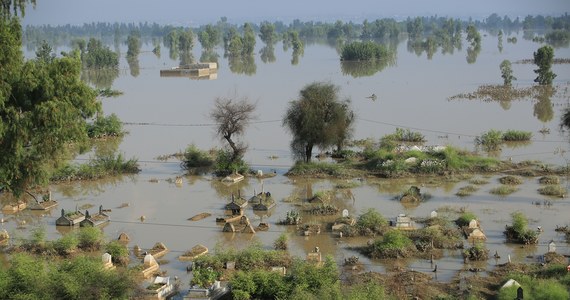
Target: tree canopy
543	58
43	106
318	118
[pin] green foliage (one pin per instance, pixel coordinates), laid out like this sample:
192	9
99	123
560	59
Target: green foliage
553	190
224	164
406	135
518	231
507	72
549	179
477	252
534	289
98	56
371	222
516	136
267	33
281	242
119	252
543	58
103	165
490	140
133	44
318	118
196	158
465	218
503	190
66	244
337	170
510	179
204	277
466	190
366	291
44	107
109	126
78	278
209	37
368	51
394	244
90	238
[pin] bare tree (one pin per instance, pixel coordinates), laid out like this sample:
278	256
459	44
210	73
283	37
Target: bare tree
232	115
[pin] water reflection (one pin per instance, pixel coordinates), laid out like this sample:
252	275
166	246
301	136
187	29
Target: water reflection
472	53
242	64
134	68
543	108
100	78
210	56
267	54
186	58
364	68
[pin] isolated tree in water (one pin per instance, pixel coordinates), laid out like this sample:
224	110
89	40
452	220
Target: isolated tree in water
232	115
543	59
507	72
318	118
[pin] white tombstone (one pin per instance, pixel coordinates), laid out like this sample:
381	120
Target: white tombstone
259	173
149	260
551	247
433	214
345	213
106	258
473	224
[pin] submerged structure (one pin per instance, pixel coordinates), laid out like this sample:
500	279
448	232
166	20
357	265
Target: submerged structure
202	70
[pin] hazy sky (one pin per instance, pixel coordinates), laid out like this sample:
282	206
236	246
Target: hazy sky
191	12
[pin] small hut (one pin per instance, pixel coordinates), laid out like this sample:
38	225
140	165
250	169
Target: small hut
94	220
263	201
69	219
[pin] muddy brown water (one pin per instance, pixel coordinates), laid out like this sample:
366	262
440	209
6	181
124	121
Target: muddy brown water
411	94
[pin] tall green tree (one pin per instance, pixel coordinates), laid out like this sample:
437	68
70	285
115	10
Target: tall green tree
267	33
209	37
507	72
43	106
133	44
543	58
318	119
186	40
248	39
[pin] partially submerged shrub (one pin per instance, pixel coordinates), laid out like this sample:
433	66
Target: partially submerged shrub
552	190
490	140
509	179
196	158
466	191
518	231
465	218
478	181
109	126
371	222
549	180
476	252
503	190
281	242
516	136
394	244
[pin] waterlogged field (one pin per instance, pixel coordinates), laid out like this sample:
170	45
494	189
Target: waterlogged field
165	115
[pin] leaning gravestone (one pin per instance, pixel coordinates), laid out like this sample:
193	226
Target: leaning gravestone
552	247
345	213
473	224
433	214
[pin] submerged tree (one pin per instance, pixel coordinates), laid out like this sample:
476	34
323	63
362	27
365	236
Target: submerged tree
507	72
543	59
318	118
232	115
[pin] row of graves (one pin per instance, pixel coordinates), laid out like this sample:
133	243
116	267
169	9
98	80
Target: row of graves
45	203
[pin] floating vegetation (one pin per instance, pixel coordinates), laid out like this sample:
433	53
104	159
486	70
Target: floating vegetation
516	136
478	181
512	180
466	190
346	185
503	190
554	61
549	180
553	190
490	93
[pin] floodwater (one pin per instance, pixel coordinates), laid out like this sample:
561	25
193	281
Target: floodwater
165	115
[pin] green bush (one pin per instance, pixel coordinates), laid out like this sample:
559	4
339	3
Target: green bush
394	244
509	179
204	277
66	244
109	126
225	166
466	190
552	190
360	51
465	218
119	252
371	222
549	180
90	238
490	140
518	231
196	158
516	136
281	242
503	190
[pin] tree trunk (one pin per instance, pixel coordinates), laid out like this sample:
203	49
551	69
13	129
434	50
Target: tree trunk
308	152
233	146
